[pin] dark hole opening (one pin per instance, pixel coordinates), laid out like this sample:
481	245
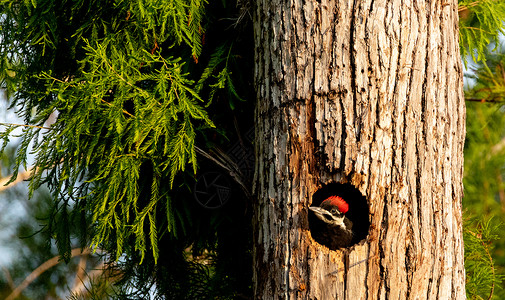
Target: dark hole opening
358	214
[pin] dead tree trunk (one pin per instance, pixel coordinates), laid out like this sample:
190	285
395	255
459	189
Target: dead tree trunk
366	93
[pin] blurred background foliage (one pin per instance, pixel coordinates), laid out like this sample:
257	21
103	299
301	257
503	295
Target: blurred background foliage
210	257
484	200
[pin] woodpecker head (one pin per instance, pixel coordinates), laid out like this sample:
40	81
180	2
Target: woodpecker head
331	210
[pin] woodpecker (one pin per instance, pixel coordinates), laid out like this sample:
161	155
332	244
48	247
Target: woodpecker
331	227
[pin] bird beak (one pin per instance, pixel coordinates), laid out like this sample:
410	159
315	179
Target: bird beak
326	216
321	213
317	210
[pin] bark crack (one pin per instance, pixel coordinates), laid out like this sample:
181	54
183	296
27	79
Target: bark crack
346	271
382	256
352	62
424	134
311	109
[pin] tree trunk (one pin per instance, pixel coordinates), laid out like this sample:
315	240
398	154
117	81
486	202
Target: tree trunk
366	93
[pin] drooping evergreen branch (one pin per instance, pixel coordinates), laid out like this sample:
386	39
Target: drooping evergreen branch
121	103
481	23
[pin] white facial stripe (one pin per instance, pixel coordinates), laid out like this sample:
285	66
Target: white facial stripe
338	221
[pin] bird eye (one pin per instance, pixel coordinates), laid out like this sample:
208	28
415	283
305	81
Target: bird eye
333	211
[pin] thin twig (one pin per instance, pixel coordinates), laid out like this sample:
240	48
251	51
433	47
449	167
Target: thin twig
465	7
492	269
9	278
103	273
124	80
226	163
112	105
25	125
476	28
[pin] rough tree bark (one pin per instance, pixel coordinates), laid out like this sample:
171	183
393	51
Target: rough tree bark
368	93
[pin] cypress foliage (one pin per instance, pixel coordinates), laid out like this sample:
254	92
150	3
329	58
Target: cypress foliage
111	75
115	95
480	24
484	278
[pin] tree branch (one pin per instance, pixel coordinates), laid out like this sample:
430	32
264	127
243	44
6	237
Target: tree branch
483	100
80	272
41	269
21	177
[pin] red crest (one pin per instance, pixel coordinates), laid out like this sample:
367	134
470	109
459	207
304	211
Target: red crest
343	207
